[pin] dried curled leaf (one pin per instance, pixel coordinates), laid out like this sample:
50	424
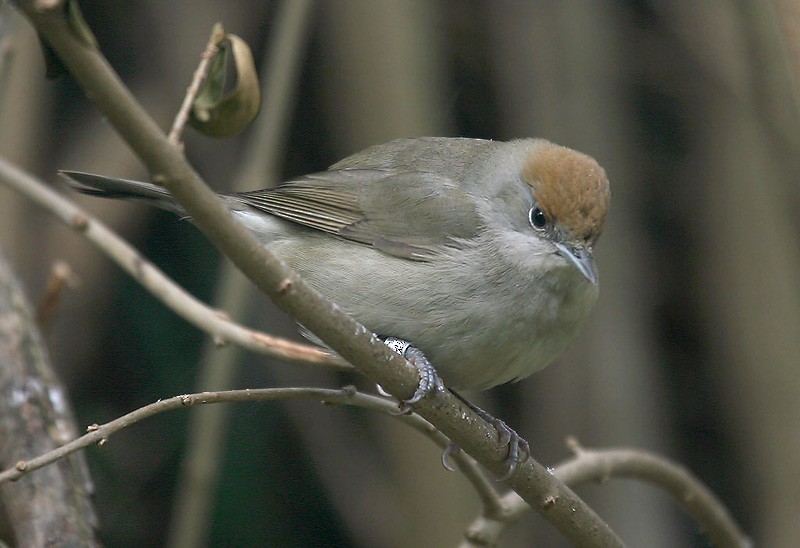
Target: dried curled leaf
222	108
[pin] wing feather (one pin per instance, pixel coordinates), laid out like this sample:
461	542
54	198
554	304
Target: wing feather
404	214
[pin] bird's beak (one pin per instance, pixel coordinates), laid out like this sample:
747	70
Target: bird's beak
581	258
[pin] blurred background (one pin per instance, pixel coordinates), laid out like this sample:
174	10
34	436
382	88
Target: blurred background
693	349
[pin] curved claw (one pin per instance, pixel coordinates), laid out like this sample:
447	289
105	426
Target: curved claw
518	452
422	390
518	449
429	380
404	409
451	449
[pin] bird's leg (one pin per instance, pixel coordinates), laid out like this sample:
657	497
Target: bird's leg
429	380
431	383
518	449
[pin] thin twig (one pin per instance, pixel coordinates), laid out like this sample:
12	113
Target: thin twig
200	75
592	465
98	434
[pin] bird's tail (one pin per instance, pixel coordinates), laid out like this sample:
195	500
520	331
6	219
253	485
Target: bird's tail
122	189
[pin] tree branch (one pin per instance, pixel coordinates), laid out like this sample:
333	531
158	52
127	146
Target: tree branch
35	417
593	465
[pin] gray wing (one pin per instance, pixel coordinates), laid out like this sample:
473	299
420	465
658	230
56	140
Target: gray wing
405	214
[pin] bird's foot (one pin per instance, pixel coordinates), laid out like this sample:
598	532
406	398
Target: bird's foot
429	381
430	384
518	449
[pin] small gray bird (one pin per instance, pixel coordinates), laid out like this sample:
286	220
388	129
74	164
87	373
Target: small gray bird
477	253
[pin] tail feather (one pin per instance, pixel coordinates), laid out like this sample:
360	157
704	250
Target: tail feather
121	189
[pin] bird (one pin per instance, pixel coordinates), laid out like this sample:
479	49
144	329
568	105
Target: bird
472	257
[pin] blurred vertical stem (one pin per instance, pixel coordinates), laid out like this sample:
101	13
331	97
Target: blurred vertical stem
753	301
218	371
6	51
280	75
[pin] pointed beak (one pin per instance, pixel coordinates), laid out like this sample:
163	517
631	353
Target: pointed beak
581	258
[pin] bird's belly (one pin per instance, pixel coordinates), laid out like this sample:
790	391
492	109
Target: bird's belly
479	346
475	334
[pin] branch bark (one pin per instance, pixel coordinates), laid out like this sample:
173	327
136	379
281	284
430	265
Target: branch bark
35	417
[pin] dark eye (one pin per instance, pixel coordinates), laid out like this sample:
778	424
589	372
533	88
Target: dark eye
537	218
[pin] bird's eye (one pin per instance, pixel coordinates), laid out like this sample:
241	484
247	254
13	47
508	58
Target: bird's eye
537	218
